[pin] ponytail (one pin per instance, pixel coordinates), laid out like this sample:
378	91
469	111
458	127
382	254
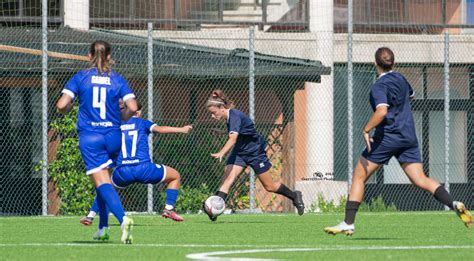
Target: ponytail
219	99
100	51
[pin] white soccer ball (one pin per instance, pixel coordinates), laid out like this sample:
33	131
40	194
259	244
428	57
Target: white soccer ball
214	205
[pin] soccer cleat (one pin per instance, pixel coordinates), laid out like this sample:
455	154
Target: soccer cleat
86	221
298	202
171	215
463	213
342	228
101	234
127	226
211	217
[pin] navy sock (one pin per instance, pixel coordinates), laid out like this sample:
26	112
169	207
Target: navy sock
103	213
444	197
221	194
285	191
171	196
112	199
351	211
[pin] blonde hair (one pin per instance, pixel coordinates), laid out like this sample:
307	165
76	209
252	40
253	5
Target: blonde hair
219	99
100	50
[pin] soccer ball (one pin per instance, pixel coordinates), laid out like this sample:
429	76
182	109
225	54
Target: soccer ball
214	206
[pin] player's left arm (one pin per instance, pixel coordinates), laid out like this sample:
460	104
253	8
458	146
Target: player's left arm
168	129
228	145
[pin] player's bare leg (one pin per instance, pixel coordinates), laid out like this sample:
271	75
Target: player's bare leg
174	182
414	172
279	188
362	171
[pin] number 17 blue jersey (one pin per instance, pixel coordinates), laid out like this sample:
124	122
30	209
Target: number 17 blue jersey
99	96
135	148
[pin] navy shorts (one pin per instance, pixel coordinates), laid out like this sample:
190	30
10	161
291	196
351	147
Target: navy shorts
258	161
145	173
99	151
383	151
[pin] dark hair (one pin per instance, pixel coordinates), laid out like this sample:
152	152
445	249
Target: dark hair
219	99
99	51
384	58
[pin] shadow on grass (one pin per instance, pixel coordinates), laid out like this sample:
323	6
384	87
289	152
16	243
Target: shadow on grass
374	238
90	242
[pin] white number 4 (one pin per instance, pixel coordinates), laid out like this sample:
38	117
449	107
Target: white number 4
99	101
134	135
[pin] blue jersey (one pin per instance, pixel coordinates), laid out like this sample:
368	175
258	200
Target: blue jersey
99	96
248	140
393	90
135	142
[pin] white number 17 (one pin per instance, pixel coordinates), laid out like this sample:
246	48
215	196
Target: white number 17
134	135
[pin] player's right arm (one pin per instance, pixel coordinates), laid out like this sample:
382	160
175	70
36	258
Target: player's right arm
167	129
69	92
64	104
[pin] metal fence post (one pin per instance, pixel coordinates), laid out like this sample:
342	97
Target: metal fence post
44	108
150	106
350	139
252	105
446	110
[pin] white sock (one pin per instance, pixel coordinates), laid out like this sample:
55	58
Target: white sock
92	214
169	207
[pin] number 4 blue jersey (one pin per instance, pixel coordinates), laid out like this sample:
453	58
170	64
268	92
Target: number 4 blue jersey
135	142
99	95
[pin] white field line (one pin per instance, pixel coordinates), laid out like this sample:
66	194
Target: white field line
142	215
216	255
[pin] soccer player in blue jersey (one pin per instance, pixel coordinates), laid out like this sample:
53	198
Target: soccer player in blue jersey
99	89
248	149
394	136
134	165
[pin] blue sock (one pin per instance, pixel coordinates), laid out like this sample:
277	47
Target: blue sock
95	206
171	196
112	200
102	209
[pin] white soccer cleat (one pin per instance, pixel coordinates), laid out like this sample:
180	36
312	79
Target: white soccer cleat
101	234
463	213
342	228
127	226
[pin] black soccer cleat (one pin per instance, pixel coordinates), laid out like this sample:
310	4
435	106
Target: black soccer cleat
298	202
211	217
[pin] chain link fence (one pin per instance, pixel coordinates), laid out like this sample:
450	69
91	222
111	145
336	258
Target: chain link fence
301	70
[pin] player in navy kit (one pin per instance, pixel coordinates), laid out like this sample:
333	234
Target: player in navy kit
134	164
248	149
394	136
99	89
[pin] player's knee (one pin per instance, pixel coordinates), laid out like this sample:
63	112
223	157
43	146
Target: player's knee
271	187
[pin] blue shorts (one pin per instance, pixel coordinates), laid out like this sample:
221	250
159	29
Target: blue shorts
383	151
258	161
99	151
145	173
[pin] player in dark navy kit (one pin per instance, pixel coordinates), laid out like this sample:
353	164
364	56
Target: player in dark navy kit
248	149
99	89
134	164
394	136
